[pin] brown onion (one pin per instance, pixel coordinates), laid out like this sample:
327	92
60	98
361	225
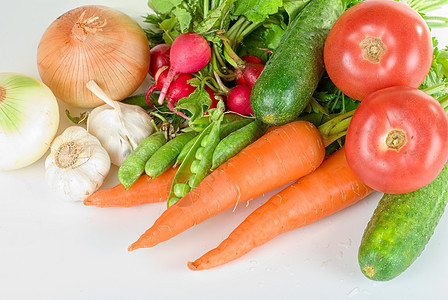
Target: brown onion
93	43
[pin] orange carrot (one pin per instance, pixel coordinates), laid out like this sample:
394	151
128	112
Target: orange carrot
332	187
144	190
280	156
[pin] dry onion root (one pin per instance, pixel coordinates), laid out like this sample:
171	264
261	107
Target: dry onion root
93	43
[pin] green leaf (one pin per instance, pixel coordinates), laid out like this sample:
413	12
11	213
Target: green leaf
272	35
217	18
255	45
163	6
293	7
257	11
196	103
442	62
184	18
264	38
168	26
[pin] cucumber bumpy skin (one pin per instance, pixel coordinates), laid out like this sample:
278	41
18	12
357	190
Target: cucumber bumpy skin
291	75
400	228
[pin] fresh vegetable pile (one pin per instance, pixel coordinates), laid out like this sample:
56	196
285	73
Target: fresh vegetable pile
339	98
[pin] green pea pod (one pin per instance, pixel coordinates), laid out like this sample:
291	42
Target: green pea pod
185	150
228	128
236	141
184	172
134	165
201	123
231	117
166	155
205	162
225	130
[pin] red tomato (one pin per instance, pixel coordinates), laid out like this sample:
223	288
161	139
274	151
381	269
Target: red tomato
377	44
397	140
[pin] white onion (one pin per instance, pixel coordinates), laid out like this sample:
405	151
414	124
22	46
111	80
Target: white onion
29	119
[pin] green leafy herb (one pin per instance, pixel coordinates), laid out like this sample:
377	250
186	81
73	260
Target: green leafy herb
257	11
196	103
293	7
216	19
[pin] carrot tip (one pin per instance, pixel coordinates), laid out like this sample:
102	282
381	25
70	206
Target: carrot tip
193	266
133	247
88	202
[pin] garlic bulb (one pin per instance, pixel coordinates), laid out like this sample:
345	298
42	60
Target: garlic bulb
120	127
77	164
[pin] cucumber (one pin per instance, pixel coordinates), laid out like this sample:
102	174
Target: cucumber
291	75
400	228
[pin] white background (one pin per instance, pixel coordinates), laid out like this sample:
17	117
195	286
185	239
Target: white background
51	249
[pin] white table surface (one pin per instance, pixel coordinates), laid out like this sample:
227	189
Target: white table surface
52	249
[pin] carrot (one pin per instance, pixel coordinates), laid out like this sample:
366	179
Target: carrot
144	190
332	187
280	156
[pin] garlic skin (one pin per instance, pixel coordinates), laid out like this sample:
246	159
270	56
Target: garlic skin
120	127
77	164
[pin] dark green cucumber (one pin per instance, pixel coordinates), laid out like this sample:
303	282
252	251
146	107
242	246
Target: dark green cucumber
400	228
291	75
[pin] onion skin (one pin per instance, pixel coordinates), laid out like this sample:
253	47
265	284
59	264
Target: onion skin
29	119
116	56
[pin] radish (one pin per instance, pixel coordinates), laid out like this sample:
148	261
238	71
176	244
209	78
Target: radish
159	80
211	93
250	71
214	97
189	53
249	74
253	59
239	100
159	56
179	89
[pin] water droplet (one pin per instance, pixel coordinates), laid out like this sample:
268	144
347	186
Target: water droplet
353	292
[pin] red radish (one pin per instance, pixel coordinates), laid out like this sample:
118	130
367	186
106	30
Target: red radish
248	74
212	96
239	100
159	56
159	80
251	73
253	59
239	78
179	89
189	53
215	98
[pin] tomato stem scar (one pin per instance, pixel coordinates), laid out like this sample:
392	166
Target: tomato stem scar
396	139
372	49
